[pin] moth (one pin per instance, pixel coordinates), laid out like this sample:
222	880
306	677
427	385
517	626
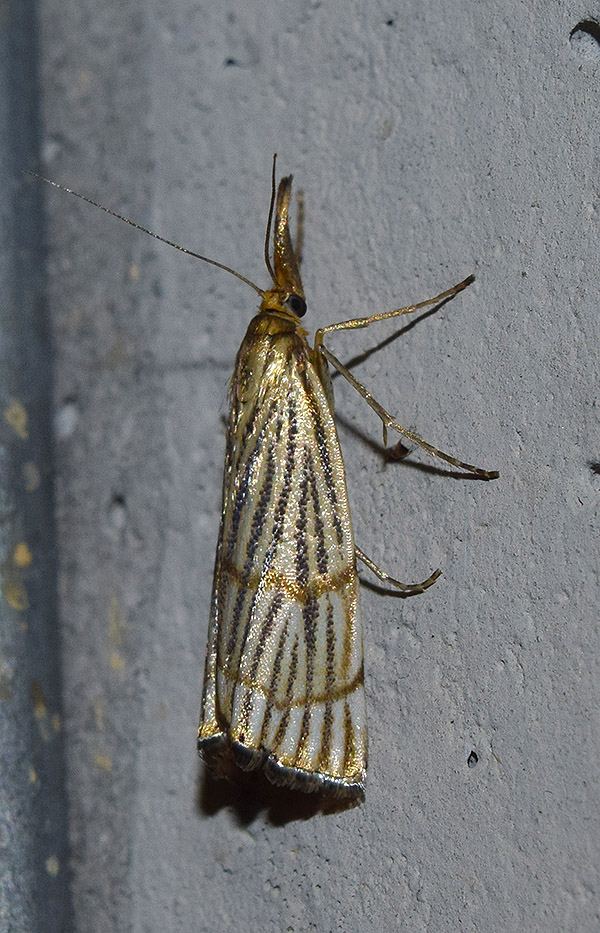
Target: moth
284	680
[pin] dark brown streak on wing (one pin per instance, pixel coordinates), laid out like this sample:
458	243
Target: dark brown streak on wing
302	565
265	633
319	432
309	616
260	513
311	608
290	463
322	558
241	499
325	750
288	695
274	679
244	581
276	533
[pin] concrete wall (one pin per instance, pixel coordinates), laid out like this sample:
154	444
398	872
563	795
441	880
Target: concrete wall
431	140
34	888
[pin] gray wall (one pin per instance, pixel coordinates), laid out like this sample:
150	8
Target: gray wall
34	889
431	140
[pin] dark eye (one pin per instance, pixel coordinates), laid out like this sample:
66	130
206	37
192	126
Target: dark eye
297	305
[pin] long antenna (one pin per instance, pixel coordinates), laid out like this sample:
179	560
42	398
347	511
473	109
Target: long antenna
156	236
269	222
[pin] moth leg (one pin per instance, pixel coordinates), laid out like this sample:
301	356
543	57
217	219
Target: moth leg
355	323
299	241
409	589
389	422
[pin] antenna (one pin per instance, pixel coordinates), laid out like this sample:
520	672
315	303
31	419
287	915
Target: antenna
269	222
156	236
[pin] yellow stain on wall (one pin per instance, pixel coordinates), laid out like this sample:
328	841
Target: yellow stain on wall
13	588
52	865
44	730
22	556
103	761
36	694
16	416
31	476
16	596
117	661
40	710
116	623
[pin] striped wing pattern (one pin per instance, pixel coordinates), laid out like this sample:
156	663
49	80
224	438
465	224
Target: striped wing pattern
284	672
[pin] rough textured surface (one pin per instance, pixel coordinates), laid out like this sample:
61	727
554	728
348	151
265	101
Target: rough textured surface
431	141
34	863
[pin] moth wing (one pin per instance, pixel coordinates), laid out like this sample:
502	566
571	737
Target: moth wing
284	673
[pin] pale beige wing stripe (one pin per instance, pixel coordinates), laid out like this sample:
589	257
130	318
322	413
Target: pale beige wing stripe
284	669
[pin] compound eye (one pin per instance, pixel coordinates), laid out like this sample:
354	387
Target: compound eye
297	305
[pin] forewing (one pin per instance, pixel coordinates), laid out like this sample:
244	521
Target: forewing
284	678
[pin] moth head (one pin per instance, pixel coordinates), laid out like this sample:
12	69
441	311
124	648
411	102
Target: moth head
287	294
284	303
